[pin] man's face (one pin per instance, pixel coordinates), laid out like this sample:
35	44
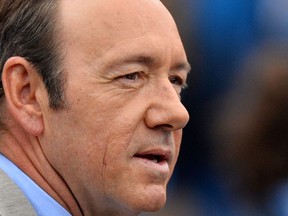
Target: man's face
117	143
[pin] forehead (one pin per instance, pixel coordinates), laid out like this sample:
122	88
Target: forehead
92	29
108	20
116	11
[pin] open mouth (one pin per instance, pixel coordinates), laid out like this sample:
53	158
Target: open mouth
152	157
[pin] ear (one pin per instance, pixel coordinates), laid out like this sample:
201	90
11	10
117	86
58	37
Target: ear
22	87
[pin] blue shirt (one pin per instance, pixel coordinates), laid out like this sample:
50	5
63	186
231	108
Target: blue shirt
43	204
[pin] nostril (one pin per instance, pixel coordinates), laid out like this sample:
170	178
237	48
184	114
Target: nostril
167	126
164	127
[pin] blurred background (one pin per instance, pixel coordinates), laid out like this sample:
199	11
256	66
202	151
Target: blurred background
234	156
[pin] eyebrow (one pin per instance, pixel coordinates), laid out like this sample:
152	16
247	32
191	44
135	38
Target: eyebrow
150	61
140	59
182	66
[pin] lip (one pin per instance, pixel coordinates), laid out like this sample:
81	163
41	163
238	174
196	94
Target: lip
154	160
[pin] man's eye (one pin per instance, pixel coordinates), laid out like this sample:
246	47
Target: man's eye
132	76
178	81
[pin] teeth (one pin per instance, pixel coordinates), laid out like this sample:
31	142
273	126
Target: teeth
155	160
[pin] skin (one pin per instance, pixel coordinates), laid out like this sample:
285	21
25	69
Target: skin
125	66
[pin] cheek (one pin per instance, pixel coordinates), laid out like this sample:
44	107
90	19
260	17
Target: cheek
177	136
109	147
177	140
77	146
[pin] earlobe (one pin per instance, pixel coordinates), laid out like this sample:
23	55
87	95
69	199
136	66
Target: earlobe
21	83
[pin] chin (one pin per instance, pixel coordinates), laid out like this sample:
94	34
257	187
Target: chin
153	207
150	203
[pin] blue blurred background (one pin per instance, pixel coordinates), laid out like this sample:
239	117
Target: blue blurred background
220	36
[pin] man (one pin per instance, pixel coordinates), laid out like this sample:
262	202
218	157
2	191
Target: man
91	115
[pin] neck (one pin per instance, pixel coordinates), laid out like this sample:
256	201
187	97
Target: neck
26	153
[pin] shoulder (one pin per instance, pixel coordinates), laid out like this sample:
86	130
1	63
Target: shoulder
12	200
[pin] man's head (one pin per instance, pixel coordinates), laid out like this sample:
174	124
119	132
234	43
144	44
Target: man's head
116	142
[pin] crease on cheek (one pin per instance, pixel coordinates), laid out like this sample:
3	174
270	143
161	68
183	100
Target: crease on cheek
103	170
120	139
104	167
109	160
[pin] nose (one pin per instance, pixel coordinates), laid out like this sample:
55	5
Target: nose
166	110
